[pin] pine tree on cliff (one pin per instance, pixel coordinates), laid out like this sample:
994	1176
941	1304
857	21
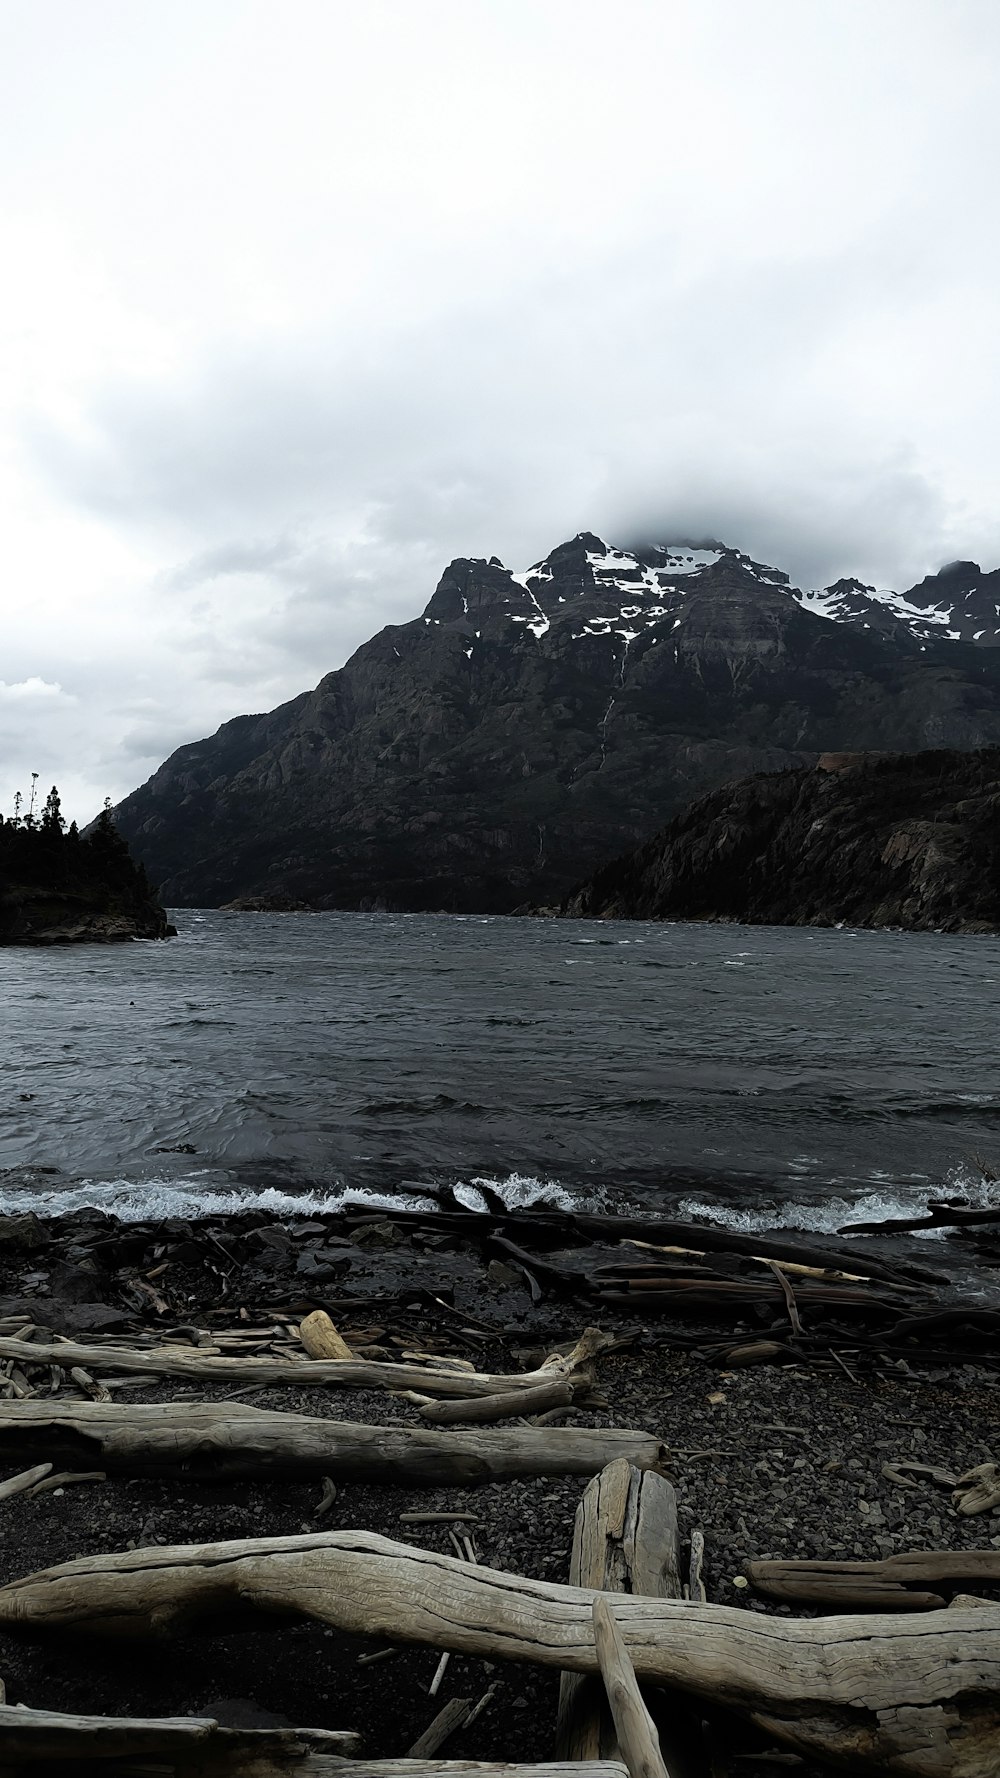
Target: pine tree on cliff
52	817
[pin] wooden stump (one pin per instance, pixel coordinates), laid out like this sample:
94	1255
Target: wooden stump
625	1541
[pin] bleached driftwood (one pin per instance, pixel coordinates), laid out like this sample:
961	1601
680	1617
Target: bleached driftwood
978	1491
919	1694
45	1741
907	1582
625	1540
39	1738
224	1440
481	1408
29	1478
355	1373
634	1727
321	1339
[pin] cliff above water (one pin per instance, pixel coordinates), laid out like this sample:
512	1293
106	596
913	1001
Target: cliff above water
527	727
904	840
59	888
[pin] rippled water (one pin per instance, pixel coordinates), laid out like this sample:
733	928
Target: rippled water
784	1074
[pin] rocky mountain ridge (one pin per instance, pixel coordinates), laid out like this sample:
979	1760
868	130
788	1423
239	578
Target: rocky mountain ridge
528	726
902	840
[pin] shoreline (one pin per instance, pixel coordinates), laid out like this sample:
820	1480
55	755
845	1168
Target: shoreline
774	1460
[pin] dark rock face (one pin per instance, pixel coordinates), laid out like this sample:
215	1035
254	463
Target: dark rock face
527	727
909	840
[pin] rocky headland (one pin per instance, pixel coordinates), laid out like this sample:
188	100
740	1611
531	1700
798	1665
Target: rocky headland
526	727
58	887
898	840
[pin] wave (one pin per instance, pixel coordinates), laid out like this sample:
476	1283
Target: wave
834	1215
200	1196
194	1198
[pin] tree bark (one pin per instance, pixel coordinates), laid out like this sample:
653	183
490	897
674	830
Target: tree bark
225	1440
919	1694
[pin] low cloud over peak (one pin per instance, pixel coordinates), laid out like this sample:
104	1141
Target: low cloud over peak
277	362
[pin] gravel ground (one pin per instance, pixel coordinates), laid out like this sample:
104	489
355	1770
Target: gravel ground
769	1463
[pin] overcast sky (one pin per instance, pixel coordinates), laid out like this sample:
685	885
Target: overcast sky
301	299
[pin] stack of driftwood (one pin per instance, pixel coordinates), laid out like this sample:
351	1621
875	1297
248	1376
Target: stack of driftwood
422	1278
907	1683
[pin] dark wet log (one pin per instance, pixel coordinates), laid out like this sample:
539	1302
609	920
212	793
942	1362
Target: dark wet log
698	1237
731	1301
740	1290
163	1361
978	1322
899	1583
938	1215
547	1229
564	1279
223	1440
916	1693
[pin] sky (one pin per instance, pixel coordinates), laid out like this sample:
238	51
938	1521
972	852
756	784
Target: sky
300	300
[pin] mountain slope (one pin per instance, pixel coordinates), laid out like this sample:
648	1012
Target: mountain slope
526	727
909	840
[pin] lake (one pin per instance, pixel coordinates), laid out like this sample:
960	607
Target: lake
776	1075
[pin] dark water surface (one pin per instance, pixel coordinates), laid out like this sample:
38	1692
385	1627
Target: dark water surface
783	1074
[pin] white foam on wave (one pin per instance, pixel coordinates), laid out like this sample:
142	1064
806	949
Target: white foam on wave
833	1215
154	1200
193	1199
519	1191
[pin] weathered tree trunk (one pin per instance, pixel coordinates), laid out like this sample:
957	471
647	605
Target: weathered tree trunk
356	1373
223	1440
919	1694
624	1541
44	1742
899	1583
33	1739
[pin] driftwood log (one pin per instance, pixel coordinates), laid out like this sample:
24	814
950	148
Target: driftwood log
899	1583
356	1373
634	1727
940	1214
624	1541
35	1739
44	1741
559	1394
225	1440
919	1694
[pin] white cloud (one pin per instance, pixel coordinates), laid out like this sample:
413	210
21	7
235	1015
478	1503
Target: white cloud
298	304
31	688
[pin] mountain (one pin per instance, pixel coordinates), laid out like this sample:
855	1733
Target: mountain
528	726
909	840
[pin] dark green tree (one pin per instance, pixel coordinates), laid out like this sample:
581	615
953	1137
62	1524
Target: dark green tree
52	818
